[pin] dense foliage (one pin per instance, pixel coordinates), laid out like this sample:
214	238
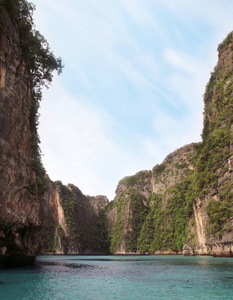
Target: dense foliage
166	228
131	213
147	226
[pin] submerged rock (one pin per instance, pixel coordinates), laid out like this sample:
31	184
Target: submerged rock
188	250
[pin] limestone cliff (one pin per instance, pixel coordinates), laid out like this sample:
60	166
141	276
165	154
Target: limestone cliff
67	221
187	200
174	169
98	202
73	223
214	178
139	198
22	176
20	218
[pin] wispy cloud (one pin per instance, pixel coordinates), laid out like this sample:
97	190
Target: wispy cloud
131	92
78	144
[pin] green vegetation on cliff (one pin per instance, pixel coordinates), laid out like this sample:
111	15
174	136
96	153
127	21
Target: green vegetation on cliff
48	234
219	212
216	148
186	177
139	180
151	225
166	228
131	213
40	62
87	230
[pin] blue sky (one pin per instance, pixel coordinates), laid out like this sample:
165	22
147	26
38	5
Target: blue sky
131	90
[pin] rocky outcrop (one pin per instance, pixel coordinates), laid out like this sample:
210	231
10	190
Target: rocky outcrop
20	218
141	181
98	202
188	250
174	169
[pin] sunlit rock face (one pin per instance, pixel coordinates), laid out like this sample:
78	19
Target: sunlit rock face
20	219
73	223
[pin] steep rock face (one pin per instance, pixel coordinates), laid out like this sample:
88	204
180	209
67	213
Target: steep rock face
73	222
213	207
125	218
54	227
174	169
139	198
20	218
98	202
141	181
200	227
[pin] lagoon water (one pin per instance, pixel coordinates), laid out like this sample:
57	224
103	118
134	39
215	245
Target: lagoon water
120	277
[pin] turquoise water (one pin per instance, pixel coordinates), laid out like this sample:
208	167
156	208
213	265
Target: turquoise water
120	277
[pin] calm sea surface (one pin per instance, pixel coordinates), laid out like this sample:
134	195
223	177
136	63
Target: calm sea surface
120	277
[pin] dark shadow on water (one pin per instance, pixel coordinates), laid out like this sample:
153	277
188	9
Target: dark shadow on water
62	264
107	259
100	263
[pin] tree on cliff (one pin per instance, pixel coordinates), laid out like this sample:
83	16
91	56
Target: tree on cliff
37	55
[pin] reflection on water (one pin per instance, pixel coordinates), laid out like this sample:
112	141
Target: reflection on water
120	277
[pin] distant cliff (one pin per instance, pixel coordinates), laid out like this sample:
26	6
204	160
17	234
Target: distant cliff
151	210
73	223
185	204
